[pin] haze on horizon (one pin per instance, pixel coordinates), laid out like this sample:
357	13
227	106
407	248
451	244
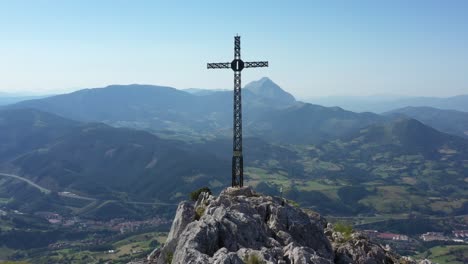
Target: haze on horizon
417	48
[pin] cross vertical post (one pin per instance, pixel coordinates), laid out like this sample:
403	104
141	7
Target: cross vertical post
237	65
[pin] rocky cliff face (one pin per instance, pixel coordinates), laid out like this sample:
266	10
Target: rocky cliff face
240	226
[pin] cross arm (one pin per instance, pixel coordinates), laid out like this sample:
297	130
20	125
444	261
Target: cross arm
220	65
256	64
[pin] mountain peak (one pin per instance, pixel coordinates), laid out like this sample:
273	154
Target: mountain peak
267	89
265	79
262	83
241	224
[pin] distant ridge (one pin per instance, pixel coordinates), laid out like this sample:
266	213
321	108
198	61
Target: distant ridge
306	123
411	137
448	121
380	104
200	91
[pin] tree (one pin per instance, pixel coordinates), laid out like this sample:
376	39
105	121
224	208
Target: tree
194	195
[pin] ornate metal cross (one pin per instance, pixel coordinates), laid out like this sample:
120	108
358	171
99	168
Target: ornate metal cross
237	65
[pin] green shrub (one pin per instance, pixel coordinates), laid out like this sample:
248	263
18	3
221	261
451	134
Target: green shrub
344	228
293	203
253	259
169	257
194	195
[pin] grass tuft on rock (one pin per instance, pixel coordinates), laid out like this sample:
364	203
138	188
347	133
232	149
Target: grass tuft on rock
199	212
344	228
253	259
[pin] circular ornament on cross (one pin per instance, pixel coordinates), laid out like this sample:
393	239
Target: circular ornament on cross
237	65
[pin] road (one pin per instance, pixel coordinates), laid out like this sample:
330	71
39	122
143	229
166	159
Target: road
76	196
42	189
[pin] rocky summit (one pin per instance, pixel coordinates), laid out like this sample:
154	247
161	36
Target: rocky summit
241	226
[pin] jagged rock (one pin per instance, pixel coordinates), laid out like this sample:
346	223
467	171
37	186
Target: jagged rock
203	199
338	237
240	224
185	214
297	254
223	256
234	191
136	262
360	250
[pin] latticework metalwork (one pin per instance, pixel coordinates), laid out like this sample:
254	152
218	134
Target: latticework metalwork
256	64
237	65
221	65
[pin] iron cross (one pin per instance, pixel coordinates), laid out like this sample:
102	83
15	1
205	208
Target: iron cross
237	65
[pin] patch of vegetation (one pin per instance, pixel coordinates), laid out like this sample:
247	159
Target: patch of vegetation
154	243
293	203
352	194
447	254
199	212
253	259
28	239
344	228
169	257
126	248
194	195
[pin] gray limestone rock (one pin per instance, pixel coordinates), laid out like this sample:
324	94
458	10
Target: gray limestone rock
185	215
240	224
360	250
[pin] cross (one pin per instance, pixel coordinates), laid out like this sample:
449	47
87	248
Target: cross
237	65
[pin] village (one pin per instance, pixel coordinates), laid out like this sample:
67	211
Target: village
101	233
119	225
401	242
412	244
460	236
124	226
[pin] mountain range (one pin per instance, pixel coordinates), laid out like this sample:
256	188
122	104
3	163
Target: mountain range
268	111
99	160
91	142
110	164
153	107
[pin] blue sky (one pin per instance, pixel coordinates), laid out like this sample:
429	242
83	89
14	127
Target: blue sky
315	48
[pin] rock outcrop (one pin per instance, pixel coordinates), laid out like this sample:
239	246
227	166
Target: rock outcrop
240	226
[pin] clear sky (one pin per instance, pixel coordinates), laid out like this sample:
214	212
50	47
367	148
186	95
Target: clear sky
315	48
